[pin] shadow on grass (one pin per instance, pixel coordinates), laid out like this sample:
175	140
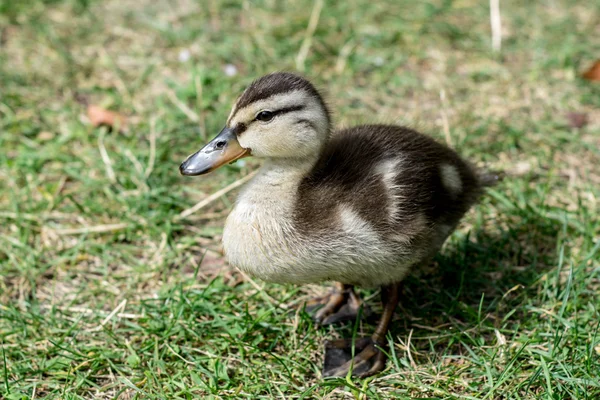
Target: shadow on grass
478	282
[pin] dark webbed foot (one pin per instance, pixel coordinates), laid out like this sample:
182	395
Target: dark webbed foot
368	360
341	305
369	357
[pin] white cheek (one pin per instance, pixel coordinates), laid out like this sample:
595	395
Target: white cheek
280	138
246	140
305	141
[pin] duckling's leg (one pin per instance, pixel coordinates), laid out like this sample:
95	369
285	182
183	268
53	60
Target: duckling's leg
340	305
369	358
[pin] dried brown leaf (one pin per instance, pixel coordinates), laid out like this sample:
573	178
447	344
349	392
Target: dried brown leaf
593	74
101	117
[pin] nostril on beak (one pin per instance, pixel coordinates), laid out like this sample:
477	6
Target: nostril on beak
220	144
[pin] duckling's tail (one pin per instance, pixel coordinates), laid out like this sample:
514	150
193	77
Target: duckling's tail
490	178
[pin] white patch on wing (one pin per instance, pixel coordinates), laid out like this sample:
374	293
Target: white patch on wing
388	170
353	224
362	257
451	178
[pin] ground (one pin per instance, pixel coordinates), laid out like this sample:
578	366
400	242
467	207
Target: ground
107	291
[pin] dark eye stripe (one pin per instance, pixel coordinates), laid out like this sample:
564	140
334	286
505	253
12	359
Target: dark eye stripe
241	127
280	111
288	109
307	122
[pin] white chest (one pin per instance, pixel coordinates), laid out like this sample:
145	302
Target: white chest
258	237
254	239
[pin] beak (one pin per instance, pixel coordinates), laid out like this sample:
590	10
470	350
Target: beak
223	149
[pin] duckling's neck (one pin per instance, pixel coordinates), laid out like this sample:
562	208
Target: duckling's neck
282	174
261	223
274	188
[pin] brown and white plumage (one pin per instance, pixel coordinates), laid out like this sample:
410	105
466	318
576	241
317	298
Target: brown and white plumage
360	206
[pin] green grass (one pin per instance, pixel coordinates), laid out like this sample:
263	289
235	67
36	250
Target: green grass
509	310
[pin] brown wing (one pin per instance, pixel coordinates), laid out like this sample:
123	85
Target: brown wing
346	172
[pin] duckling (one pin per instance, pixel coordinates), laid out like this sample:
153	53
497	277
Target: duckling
360	206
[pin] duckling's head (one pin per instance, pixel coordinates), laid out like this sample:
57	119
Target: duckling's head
280	115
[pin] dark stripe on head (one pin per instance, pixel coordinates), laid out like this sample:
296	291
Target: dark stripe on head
277	83
307	122
288	109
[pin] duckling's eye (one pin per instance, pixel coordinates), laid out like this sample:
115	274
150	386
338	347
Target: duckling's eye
265	116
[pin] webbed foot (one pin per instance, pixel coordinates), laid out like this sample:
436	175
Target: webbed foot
368	360
341	305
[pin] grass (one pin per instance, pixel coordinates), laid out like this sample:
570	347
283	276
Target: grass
143	306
